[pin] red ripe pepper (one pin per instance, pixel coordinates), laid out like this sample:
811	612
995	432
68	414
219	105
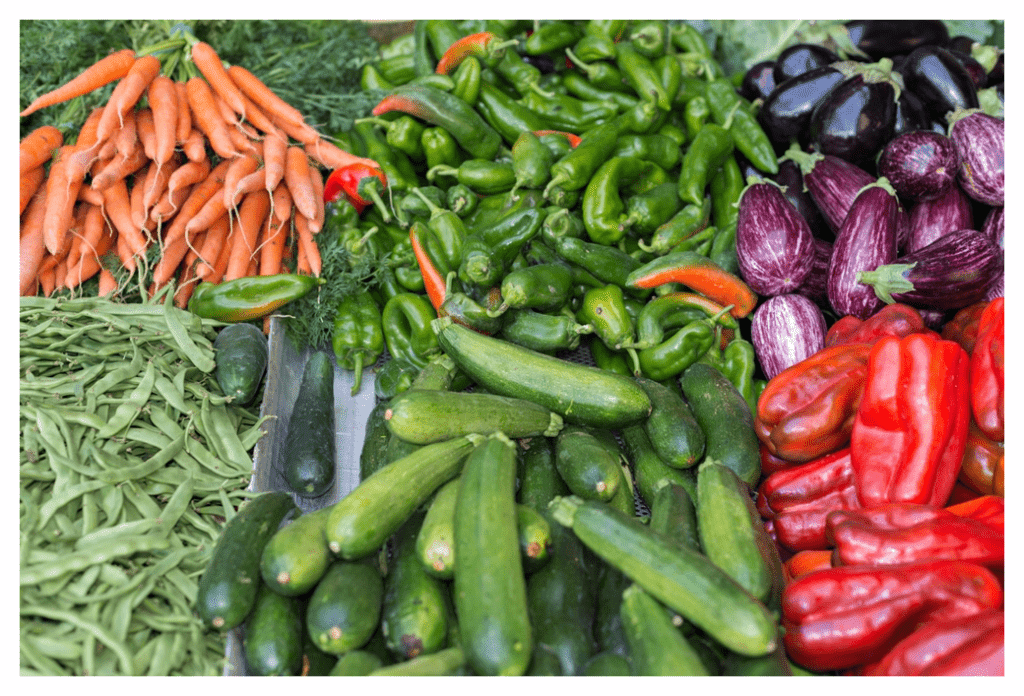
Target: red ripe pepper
892	320
843	617
699	273
807	410
488	47
910	430
573	139
770	463
989	509
971	647
803	563
987	372
355	182
963	327
981	469
434	282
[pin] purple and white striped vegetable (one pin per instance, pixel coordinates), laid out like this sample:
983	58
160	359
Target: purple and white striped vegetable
815	287
785	330
993	226
774	244
979	139
920	165
931	219
832	182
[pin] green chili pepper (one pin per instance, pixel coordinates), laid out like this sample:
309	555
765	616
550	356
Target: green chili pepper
371	79
393	377
506	115
686	223
552	36
561	222
358	338
444	83
650	38
726	186
423	61
608	264
695	114
406	324
490	250
524	77
441	33
440	148
397	69
732	111
592	47
608	359
647	211
545	333
413	205
644	117
462	200
614	29
603	209
531	161
574	171
708	151
689	87
249	297
723	249
448	228
652	147
599	73
604	308
673	355
467	80
543	287
485	177
673	310
579	86
568	113
557	144
465	310
688	39
641	75
738	365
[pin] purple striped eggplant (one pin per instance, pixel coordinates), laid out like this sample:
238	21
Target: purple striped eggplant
815	286
866	240
929	220
785	330
832	182
920	165
993	225
774	244
979	140
950	273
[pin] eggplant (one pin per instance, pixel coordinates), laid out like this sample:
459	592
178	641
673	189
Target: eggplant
759	81
920	165
939	80
799	58
785	330
952	272
791	180
855	120
975	69
993	225
881	38
774	244
832	182
912	116
961	43
815	286
937	217
865	241
785	114
979	138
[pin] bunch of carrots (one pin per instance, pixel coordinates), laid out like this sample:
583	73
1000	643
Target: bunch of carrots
215	172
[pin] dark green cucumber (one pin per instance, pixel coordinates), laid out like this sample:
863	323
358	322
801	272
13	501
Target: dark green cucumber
414	617
732	534
296	557
774	664
726	420
675	433
315	662
361	522
649	470
345	607
544	662
227	588
240	361
440	664
355	663
608	631
425	416
656	647
539	481
607	664
589	464
625	493
435	541
680	578
579	393
534	538
674	515
490	587
309	450
373	454
273	635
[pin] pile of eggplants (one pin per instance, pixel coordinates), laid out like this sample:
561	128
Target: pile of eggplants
890	186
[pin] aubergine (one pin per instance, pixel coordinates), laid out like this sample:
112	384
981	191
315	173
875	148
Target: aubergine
974	68
979	138
815	285
791	179
785	114
774	244
911	115
920	165
856	119
865	241
758	81
937	217
939	80
832	182
880	38
785	330
799	58
993	225
952	272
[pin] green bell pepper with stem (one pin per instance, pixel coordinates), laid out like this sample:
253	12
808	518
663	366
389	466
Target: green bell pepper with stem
358	338
466	310
737	361
406	324
412	205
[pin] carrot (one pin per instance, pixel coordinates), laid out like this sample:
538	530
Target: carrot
75	233
170	259
90	262
251	215
157	179
108	283
104	71
62	186
146	131
187	282
48	279
32	248
217	275
87	194
30	181
119	168
117	207
211	210
135	194
275	108
240	167
281	202
301	132
92	226
201	193
165	208
255	116
214	241
249	183
207	117
297	179
242	144
318	191
332	157
183	125
275	145
210	65
184	176
38	147
126	94
163	103
272	249
122	142
308	249
194	146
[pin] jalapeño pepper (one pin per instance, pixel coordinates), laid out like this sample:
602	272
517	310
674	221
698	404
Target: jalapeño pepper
467	80
643	117
461	200
358	338
685	224
574	171
566	112
592	47
406	324
603	210
652	147
673	355
531	161
440	148
673	310
412	204
448	228
524	77
544	287
708	151
579	86
726	186
670	70
604	308
552	36
489	251
485	177
546	333
506	115
599	73
608	264
396	165
650	38
695	114
249	297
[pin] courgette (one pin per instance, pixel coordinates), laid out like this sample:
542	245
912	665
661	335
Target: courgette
355	663
674	515
344	608
376	436
588	463
607	664
649	470
240	361
442	663
273	635
674	432
534	538
309	449
656	647
435	541
296	557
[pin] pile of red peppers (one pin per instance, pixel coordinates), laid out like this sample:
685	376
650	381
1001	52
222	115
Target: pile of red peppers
883	488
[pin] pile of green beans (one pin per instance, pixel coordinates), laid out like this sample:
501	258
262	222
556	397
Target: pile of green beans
131	462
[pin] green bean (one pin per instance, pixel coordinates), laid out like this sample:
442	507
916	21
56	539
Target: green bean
40	662
120	373
157	461
141	502
74	562
117	647
176	505
188	346
80	587
120	617
131	407
171	394
227	435
105	535
48	508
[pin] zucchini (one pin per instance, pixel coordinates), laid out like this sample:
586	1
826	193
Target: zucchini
315	662
227	587
442	663
345	607
774	664
607	664
588	463
309	449
273	635
649	470
435	541
355	663
579	393
490	587
240	361
296	557
680	578
674	432
674	515
656	647
425	416
608	631
534	538
373	454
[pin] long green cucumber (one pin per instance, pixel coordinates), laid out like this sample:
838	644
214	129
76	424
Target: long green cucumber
309	448
649	470
680	578
296	557
534	538
588	463
344	609
355	663
577	392
442	663
435	542
376	436
656	647
674	514
273	635
675	433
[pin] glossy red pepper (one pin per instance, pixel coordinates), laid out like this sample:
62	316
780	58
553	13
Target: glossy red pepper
892	320
839	618
981	469
963	327
986	370
352	181
910	430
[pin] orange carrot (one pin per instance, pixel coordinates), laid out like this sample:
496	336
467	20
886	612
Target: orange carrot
108	284
317	223
87	133
187	282
302	132
300	185
32	248
332	157
211	210
87	194
135	194
183	177
157	179
93	226
242	144
90	262
277	109
126	94
222	259
119	168
48	278
240	166
251	215
146	131
207	117
163	102
281	202
275	145
62	186
272	249
165	208
75	232
102	72
194	146
210	65
308	249
214	241
255	116
123	140
249	183
30	181
38	147
201	193
117	207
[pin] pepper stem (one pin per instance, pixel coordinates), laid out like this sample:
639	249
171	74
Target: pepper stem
357	370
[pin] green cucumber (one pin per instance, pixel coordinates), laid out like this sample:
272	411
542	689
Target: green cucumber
490	587
656	647
588	463
315	662
227	588
539	481
361	522
425	416
534	538
544	662
726	420
440	664
579	393
774	664
608	631
273	635
296	557
345	607
355	663
373	454
680	578
240	361
607	664
435	541
309	449
649	470
675	433
674	515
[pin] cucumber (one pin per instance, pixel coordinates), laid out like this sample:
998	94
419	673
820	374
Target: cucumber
674	432
534	538
732	534
649	470
539	481
588	463
442	663
490	587
315	662
774	664
227	587
361	522
544	662
345	607
425	416
355	663
674	515
273	635
656	647
681	579
309	456
296	557
579	393
607	664
608	631
240	361
726	420
373	454
435	541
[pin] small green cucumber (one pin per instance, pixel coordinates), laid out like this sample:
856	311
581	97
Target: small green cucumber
376	436
315	662
544	663
227	587
650	470
608	631
440	664
588	463
674	515
273	635
656	647
435	541
539	480
671	427
240	361
534	538
296	557
607	664
355	663
309	449
345	607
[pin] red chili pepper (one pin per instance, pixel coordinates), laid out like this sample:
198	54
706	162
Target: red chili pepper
910	430
434	282
573	139
838	618
486	46
986	370
971	647
355	182
892	320
698	273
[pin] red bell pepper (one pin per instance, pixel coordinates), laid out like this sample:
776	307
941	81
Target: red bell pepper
361	185
963	327
981	469
987	372
892	320
838	618
910	429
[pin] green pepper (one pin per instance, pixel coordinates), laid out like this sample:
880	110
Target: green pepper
543	287
708	151
673	355
393	377
608	264
579	86
552	36
465	310
358	338
482	176
489	250
689	88
441	33
652	147
738	365
686	223
568	113
604	309
461	200
574	171
673	310
249	297
406	324
641	75
448	228
726	186
695	114
396	165
561	222
371	79
413	205
614	29
603	209
592	47
599	73
671	72
524	77
423	61
397	69
442	82
647	211
531	161
608	359
440	148
506	115
556	143
467	80
733	112
723	249
545	333
644	117
650	38
387	284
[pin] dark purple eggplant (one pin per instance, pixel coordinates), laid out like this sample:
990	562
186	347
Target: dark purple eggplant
786	113
832	182
774	244
799	58
912	116
856	120
995	74
865	241
881	38
979	139
791	180
938	78
975	69
785	330
937	217
961	43
993	225
815	286
758	81
952	272
919	165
